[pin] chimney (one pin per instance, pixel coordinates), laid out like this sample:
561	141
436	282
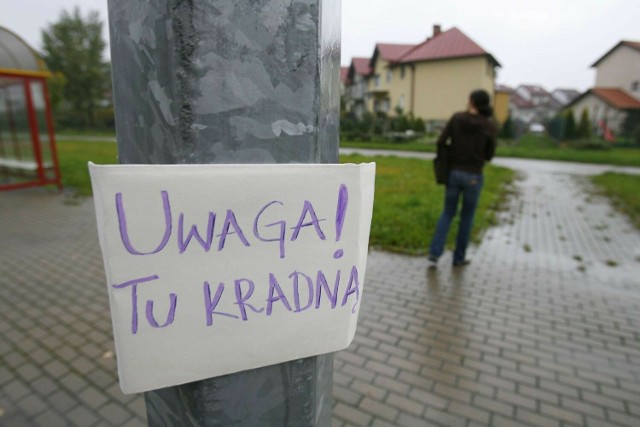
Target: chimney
436	30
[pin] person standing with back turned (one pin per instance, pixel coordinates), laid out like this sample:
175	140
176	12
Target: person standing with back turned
473	142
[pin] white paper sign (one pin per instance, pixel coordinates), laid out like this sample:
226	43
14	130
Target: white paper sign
215	269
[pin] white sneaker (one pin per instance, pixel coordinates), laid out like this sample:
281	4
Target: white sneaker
432	262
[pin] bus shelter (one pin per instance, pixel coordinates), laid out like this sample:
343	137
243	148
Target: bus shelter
27	146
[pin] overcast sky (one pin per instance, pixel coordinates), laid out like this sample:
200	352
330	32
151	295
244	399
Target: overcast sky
549	42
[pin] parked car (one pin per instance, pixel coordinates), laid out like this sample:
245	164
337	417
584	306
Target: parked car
536	128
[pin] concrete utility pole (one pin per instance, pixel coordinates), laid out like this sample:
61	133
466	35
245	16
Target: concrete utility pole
231	81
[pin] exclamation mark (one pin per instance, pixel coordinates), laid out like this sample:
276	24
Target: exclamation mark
341	210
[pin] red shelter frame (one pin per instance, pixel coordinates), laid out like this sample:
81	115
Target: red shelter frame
47	171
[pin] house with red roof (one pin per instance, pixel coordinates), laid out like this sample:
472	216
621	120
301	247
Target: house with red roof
430	80
531	104
535	94
382	86
616	94
357	81
620	68
562	96
501	100
344	73
521	110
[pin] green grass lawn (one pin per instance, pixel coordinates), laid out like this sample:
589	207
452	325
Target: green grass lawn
421	145
408	203
73	157
624	191
544	148
529	146
87	133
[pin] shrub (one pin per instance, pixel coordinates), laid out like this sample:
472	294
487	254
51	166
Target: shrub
631	121
348	122
366	123
590	144
105	118
400	123
635	135
584	127
569	125
381	123
397	128
406	136
506	131
555	127
418	125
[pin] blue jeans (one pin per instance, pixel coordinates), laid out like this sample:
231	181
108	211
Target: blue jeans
469	186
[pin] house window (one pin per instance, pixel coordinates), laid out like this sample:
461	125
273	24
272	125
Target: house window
376	81
402	72
401	102
389	74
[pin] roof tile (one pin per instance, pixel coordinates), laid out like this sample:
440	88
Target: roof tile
452	43
616	98
361	66
635	45
393	52
344	74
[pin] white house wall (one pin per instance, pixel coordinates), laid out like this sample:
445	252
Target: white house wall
620	69
524	93
358	88
526	116
599	110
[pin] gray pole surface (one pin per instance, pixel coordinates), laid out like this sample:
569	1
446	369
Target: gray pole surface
231	81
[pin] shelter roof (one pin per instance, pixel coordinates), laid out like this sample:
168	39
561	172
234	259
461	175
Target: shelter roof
17	57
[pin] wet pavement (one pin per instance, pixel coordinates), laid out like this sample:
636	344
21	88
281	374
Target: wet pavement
543	328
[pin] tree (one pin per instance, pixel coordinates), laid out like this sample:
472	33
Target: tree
73	46
584	126
366	124
569	125
400	122
635	135
631	125
380	123
56	84
556	126
417	125
507	128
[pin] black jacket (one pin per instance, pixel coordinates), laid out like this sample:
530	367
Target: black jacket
473	141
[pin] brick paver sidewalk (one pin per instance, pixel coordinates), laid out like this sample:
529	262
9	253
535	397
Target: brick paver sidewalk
541	329
56	349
